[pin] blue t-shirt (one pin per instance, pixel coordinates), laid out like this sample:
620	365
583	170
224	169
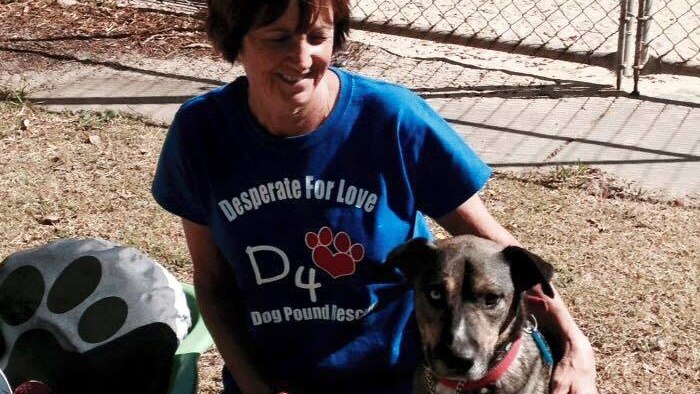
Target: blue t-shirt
307	222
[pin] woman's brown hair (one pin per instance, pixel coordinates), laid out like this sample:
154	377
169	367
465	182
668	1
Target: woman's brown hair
228	21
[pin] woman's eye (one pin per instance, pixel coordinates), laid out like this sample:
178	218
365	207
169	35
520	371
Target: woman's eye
491	299
435	295
317	39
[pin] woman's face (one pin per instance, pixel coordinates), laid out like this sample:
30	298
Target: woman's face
284	67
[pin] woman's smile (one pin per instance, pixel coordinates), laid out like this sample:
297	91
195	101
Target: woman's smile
291	79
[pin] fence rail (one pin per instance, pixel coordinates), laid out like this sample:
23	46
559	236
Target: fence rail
632	37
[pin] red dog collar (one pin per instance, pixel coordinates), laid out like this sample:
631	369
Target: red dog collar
491	376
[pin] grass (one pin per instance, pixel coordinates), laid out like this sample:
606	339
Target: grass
16	96
627	266
90	120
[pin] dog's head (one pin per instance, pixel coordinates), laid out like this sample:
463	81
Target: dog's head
468	296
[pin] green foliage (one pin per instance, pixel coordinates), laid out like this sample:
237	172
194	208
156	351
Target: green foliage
89	120
16	96
565	173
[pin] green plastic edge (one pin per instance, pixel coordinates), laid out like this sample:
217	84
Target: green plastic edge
183	377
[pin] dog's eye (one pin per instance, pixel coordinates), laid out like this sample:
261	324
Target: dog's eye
491	299
435	295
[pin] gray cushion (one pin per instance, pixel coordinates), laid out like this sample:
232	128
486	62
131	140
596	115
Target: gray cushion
89	307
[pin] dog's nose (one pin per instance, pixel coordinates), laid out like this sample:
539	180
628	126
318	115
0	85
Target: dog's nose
457	363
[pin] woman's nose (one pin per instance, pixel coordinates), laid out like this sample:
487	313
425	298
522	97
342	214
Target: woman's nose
302	53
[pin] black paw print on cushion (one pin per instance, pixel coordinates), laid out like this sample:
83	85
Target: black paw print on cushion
89	316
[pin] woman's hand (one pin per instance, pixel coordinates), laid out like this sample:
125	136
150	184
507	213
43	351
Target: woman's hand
575	372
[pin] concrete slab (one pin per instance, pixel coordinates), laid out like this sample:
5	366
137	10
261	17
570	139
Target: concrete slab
649	145
156	96
515	133
655	146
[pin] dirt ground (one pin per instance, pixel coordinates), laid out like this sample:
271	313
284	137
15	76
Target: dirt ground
627	265
98	28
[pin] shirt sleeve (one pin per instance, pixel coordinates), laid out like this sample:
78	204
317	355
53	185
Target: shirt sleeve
175	185
443	169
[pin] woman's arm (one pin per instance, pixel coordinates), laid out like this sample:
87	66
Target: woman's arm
575	373
213	283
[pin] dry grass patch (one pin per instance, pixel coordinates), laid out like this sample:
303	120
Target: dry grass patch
82	175
627	268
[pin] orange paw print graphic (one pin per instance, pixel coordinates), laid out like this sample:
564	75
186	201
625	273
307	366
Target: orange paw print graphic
340	263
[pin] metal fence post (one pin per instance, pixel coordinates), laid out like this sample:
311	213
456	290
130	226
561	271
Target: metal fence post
624	41
642	44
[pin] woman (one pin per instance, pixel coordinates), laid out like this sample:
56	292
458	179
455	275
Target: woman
294	183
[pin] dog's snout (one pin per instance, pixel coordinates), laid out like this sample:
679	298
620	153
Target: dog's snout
459	363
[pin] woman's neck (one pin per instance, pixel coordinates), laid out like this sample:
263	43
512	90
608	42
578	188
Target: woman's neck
295	121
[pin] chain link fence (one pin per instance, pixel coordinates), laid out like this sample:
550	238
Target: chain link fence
646	36
584	31
632	37
670	36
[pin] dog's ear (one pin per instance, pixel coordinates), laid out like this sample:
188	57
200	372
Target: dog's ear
528	269
412	256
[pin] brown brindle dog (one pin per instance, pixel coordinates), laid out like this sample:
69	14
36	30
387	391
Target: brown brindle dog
471	315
